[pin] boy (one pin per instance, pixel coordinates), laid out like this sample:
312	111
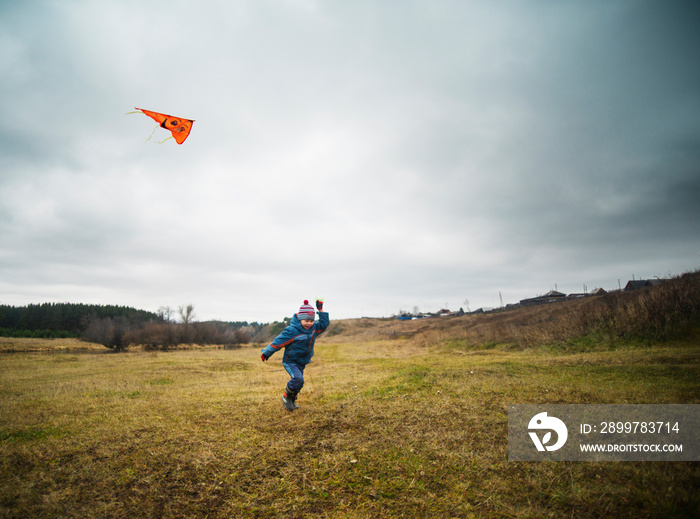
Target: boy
298	342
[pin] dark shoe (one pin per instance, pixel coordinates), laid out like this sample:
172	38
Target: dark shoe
289	401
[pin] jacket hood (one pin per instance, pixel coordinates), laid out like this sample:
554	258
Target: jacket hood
297	324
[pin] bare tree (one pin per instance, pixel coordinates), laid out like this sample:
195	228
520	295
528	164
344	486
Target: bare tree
165	313
186	314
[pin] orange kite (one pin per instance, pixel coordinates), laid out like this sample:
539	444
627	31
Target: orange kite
180	128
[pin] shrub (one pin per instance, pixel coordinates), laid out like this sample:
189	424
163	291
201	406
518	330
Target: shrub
163	336
154	336
662	312
108	331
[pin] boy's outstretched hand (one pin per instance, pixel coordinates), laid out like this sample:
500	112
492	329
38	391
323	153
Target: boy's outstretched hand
263	357
319	305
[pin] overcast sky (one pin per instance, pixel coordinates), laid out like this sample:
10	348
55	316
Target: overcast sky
381	154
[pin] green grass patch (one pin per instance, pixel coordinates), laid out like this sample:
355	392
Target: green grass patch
162	381
29	434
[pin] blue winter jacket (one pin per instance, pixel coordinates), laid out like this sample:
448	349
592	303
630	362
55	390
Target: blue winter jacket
297	342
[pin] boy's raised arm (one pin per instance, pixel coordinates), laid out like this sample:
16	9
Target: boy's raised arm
323	319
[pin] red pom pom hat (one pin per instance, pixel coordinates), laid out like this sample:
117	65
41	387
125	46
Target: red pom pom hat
306	312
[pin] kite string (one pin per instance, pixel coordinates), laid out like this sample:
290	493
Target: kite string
154	131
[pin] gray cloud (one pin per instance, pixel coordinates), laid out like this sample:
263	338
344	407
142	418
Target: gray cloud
384	155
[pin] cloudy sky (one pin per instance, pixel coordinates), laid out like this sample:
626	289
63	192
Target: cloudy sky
383	154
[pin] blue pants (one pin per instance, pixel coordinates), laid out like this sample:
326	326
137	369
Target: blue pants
297	373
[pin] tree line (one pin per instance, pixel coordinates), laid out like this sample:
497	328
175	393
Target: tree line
118	327
60	320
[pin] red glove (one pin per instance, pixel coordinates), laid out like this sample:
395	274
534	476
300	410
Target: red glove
263	357
319	305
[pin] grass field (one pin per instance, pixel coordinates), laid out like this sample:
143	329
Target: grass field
391	425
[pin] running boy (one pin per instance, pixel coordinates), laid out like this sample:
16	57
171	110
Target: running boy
298	342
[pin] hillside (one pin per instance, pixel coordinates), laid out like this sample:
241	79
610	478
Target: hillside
669	310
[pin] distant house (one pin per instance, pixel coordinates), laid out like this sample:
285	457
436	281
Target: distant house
599	292
637	284
550	297
530	301
554	294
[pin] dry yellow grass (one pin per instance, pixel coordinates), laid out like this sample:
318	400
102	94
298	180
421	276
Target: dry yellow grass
15	345
389	427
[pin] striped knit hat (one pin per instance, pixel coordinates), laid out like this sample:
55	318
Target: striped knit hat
306	312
